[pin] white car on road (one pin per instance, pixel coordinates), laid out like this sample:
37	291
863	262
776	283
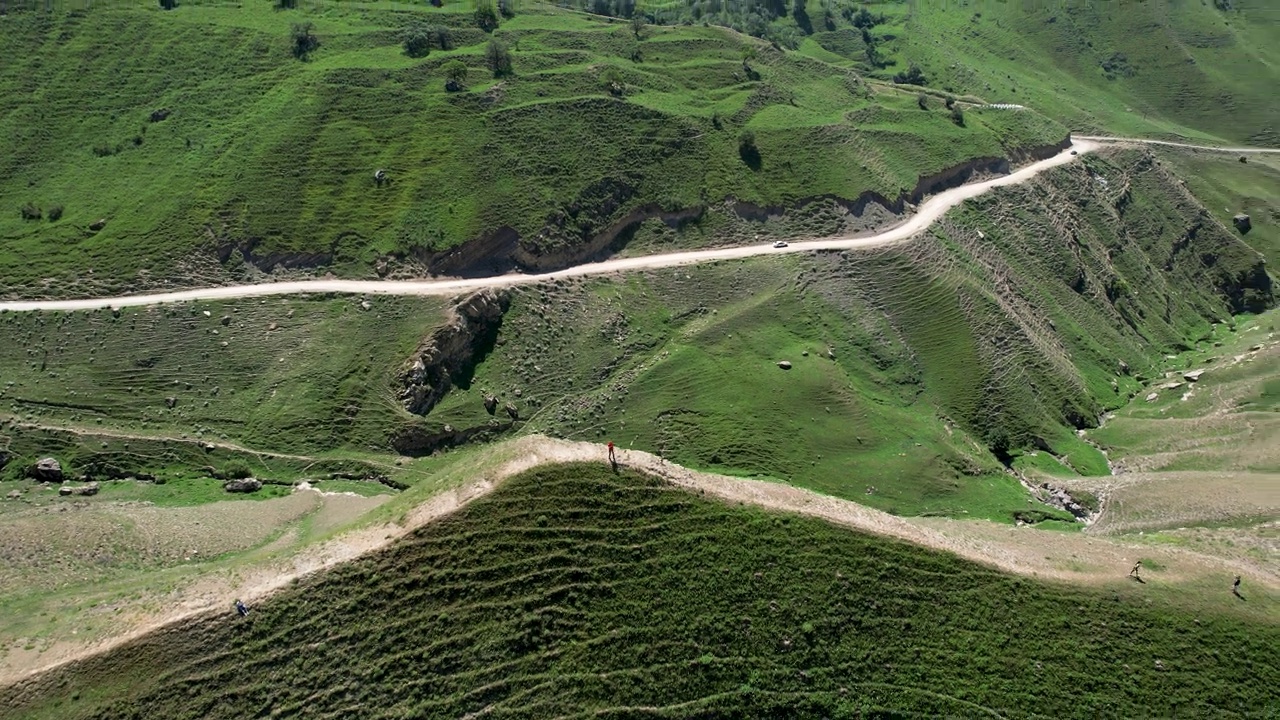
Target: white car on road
780	244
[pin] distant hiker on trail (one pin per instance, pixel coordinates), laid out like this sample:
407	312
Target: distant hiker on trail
1235	587
613	458
1134	572
242	609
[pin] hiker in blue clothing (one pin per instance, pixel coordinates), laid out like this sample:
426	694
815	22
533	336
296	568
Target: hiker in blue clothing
242	609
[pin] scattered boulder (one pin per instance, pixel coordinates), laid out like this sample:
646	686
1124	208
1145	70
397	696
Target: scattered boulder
512	411
1153	397
46	470
1242	223
1193	375
1255	348
1124	367
161	114
226	320
1244	159
490	403
784	364
82	490
14	495
452	85
242	485
98	224
171	402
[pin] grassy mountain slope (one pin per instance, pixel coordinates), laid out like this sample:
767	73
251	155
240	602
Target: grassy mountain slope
1228	187
1001	331
304	376
1019	319
267	159
573	592
1161	67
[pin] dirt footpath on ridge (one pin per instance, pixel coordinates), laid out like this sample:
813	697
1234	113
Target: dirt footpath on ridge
1067	556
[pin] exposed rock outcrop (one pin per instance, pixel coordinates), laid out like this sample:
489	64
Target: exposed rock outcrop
242	485
81	490
46	470
449	355
419	440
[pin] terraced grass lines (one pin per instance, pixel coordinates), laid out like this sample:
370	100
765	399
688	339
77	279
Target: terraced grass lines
571	591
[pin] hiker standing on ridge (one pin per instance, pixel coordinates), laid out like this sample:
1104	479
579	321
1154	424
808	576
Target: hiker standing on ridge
1235	587
613	459
1134	572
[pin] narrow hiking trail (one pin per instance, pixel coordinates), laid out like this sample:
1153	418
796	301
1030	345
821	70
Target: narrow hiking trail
1071	557
928	212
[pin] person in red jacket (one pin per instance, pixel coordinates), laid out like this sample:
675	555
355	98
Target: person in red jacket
613	459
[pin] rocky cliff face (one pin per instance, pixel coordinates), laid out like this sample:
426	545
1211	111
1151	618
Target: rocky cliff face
450	354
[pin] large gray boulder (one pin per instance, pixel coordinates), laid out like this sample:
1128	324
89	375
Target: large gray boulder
1242	223
46	470
243	485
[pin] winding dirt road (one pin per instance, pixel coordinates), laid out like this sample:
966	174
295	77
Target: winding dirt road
928	212
1140	141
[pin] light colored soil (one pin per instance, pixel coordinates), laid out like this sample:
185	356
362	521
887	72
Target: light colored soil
1068	556
1149	501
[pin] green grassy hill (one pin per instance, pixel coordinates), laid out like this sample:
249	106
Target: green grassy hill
1158	67
918	372
1020	319
1164	66
210	150
571	592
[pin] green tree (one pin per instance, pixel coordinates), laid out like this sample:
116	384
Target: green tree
168	4
417	42
305	41
748	150
443	38
637	24
612	80
486	16
911	76
923	101
455	73
957	116
498	57
286	4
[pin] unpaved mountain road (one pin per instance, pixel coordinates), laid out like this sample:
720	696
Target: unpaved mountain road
1140	141
928	212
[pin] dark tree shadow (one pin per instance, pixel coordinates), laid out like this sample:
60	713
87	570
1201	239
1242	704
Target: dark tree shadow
750	155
